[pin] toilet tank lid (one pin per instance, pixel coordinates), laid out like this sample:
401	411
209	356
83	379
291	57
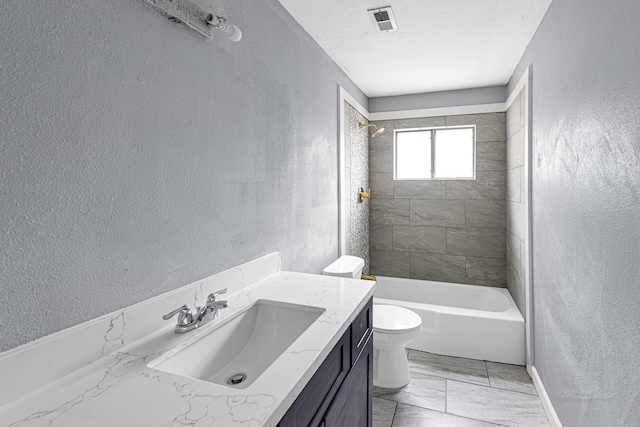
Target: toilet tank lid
345	264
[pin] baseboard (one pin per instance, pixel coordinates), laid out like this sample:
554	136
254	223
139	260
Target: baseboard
544	397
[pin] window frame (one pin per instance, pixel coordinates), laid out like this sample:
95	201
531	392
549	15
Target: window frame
433	152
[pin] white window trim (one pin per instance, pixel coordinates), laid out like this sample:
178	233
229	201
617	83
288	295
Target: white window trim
433	139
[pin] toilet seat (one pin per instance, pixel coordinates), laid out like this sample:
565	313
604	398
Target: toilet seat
390	319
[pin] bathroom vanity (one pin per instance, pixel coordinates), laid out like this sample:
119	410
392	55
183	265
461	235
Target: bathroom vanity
130	368
341	391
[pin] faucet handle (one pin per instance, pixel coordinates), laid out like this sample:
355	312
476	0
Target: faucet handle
184	318
213	297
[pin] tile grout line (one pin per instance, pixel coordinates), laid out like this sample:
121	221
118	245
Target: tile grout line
495	388
476	384
395	410
440	412
446	395
487	369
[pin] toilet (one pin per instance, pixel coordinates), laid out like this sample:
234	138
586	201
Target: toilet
393	329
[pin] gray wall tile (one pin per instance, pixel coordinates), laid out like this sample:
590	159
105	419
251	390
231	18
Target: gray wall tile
476	242
389	263
443	268
421	122
513	251
381	237
487	185
515	150
389	211
486	214
420	239
514	190
432	206
523	260
380	161
380	147
513	117
489	127
516	288
419	189
523	185
381	184
438	213
487	271
384	141
491	156
515	219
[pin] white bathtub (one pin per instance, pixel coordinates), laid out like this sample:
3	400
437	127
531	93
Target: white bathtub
475	322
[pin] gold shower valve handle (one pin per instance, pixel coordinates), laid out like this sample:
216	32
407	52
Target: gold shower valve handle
363	195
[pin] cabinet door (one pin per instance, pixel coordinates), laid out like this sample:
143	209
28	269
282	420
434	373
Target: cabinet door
308	408
353	405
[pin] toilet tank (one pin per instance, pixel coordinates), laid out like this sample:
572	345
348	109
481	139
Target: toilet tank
345	266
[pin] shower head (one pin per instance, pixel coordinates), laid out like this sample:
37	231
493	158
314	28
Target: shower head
376	130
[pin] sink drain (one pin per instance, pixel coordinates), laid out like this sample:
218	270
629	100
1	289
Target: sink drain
236	379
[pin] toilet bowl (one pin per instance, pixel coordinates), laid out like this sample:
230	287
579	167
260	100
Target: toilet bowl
393	329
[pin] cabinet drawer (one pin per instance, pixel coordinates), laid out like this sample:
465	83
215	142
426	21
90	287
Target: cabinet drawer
361	327
317	395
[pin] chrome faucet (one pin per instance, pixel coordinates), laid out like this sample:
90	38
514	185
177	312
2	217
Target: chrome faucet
187	320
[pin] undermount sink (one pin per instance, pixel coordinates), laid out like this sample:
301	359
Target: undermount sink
238	352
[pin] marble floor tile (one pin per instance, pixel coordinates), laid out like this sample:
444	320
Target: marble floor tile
411	416
493	405
455	368
423	391
510	377
383	412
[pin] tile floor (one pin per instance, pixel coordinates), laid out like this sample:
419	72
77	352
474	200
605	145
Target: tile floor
453	392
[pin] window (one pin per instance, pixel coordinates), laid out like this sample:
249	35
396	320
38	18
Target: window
438	153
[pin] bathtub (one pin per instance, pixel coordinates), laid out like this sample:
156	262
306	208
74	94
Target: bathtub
475	322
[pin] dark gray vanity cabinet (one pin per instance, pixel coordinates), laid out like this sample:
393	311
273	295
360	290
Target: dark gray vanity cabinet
340	394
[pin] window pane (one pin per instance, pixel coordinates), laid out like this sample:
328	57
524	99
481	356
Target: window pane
454	153
413	155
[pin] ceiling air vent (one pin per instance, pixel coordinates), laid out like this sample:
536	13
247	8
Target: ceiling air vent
382	18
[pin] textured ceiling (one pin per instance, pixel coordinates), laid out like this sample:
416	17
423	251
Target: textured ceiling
439	45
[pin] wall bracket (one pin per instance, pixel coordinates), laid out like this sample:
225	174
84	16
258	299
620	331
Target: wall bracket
187	12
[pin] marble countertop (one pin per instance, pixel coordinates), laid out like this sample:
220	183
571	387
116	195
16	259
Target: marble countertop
119	389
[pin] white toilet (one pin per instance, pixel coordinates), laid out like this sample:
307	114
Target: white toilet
393	329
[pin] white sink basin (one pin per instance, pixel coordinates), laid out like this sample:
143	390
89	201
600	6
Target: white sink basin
239	351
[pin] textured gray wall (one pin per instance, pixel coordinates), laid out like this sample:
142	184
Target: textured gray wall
357	175
586	209
450	98
450	231
516	197
136	156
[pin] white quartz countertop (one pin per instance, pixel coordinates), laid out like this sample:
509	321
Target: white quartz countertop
120	390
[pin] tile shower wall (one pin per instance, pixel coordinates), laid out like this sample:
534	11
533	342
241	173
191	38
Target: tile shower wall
357	175
516	249
452	231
